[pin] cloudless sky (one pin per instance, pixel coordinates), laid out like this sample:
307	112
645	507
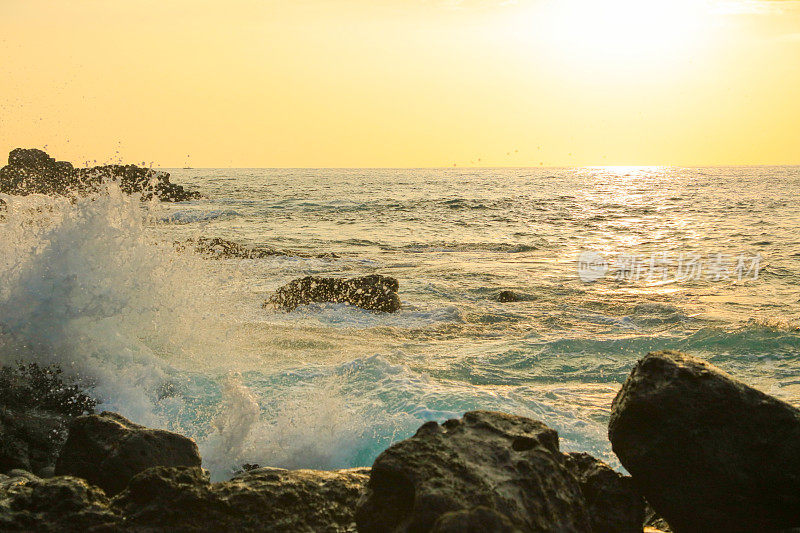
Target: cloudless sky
402	83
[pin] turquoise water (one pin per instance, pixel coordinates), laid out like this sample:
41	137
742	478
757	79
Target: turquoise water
177	341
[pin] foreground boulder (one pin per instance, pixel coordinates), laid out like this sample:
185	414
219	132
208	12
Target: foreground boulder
374	292
613	503
61	504
108	450
32	171
267	499
508	464
708	452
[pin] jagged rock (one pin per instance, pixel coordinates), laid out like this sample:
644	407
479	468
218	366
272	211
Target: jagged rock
708	452
374	292
217	248
60	504
507	463
108	450
32	171
613	503
267	499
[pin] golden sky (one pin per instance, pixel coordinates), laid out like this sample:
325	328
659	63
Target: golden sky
402	83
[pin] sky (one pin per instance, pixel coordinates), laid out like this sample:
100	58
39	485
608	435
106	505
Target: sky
402	83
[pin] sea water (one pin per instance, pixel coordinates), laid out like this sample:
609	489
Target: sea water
608	263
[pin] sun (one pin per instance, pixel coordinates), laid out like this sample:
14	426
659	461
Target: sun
623	32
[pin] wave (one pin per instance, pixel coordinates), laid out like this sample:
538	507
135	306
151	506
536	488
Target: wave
193	216
470	247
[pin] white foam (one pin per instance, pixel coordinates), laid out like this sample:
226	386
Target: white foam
83	285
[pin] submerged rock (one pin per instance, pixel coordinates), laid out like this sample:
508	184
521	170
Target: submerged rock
267	499
217	248
614	504
507	463
108	450
508	296
32	171
708	452
60	504
374	292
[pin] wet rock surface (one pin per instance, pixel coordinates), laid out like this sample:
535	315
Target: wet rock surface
267	499
374	292
108	450
508	296
33	171
509	464
708	452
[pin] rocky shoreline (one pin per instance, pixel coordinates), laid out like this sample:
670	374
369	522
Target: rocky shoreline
705	453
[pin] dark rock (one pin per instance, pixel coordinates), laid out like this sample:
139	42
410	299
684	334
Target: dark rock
267	499
61	504
29	439
108	450
36	406
613	503
32	171
508	296
708	452
476	520
217	248
373	292
507	463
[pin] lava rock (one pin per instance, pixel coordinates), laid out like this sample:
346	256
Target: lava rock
611	498
60	504
507	463
374	292
508	296
708	452
266	499
108	450
32	171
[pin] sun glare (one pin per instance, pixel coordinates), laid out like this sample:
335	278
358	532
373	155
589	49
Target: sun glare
625	31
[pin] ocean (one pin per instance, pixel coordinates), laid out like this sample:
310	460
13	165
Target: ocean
607	264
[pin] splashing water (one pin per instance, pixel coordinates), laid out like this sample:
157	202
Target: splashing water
81	286
87	284
175	341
